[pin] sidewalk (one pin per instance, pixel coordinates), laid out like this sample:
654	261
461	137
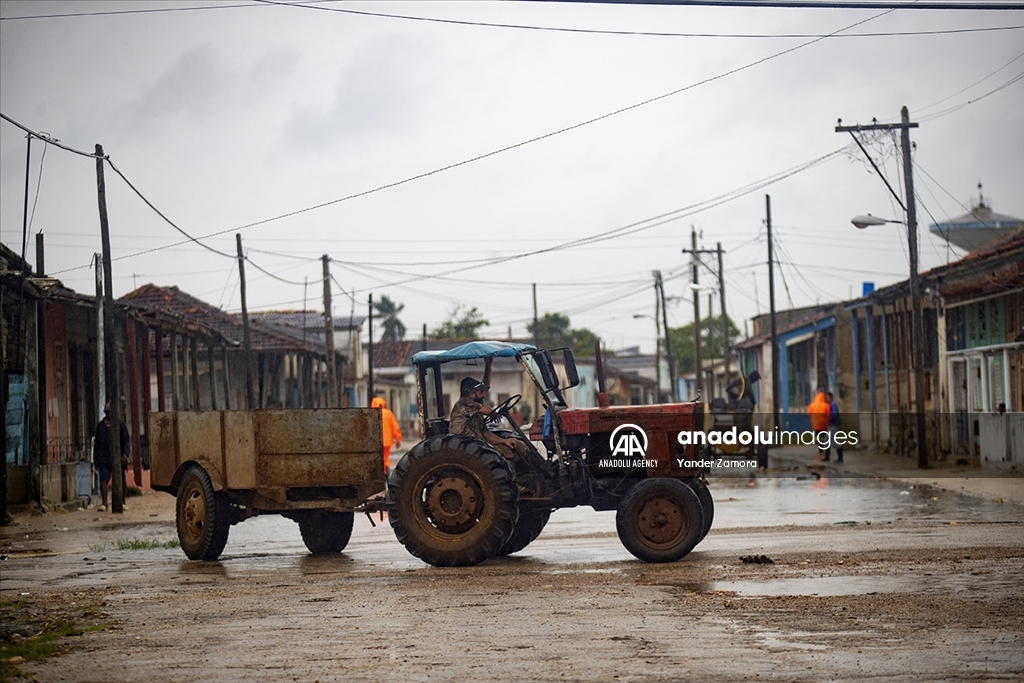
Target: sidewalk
970	480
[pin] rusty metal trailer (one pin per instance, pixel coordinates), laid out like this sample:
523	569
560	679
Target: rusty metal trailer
316	467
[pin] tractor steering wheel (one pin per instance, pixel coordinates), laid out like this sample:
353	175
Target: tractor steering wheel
501	410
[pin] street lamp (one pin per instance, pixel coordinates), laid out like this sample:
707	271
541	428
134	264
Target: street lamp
657	349
869	221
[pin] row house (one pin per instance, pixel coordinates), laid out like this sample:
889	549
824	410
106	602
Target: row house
973	343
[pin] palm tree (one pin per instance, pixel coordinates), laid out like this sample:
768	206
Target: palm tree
388	310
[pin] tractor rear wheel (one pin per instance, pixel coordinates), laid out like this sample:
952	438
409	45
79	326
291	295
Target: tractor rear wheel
660	520
452	501
528	528
325	532
707	503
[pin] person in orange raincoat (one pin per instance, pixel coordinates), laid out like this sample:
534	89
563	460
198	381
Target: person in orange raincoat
818	411
392	432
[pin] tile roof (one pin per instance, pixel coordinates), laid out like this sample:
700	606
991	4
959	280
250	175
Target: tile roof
264	336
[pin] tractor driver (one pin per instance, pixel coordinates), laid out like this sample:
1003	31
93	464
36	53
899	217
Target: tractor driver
469	417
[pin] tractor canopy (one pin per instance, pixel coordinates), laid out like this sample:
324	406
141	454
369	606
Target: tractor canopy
472	350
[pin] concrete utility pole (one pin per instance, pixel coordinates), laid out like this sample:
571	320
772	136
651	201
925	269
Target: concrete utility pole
674	384
369	354
696	309
771	307
910	207
695	257
332	372
725	318
109	344
246	336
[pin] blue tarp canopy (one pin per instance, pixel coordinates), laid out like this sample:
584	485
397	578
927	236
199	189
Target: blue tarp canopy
472	350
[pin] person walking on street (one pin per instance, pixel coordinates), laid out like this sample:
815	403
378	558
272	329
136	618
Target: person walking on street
833	426
101	456
392	433
818	411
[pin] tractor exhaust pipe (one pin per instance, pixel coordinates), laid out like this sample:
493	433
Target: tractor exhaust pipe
602	395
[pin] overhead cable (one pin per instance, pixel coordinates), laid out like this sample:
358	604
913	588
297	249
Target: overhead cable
590	31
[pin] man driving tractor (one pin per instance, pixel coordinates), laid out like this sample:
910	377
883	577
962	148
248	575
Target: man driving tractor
469	417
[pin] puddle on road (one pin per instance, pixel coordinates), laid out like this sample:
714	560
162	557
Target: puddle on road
955	585
800	501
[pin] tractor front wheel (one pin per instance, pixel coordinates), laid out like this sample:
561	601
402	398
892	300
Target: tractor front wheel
660	520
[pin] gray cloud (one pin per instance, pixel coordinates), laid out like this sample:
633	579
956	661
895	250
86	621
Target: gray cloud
375	93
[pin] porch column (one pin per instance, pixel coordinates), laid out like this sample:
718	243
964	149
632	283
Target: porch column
855	324
175	370
161	394
213	374
193	345
133	395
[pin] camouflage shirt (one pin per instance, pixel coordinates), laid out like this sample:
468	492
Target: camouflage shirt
467	419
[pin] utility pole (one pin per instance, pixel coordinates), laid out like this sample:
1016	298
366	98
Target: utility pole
109	344
657	336
536	323
711	344
536	342
674	384
332	372
771	307
369	354
725	318
695	260
246	336
916	319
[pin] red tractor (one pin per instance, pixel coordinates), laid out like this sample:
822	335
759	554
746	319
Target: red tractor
455	500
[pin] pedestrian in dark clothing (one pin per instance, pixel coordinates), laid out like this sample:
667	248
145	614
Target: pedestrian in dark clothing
101	456
833	425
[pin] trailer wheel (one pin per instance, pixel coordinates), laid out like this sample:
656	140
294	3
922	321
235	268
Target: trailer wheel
528	528
660	520
707	503
324	532
452	501
202	515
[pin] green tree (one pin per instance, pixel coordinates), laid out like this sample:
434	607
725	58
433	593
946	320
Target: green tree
684	351
554	330
388	310
462	323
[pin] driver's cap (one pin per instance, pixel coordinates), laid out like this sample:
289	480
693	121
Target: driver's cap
469	385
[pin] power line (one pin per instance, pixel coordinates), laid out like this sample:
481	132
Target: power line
813	4
47	139
968	103
149	10
978	82
656	34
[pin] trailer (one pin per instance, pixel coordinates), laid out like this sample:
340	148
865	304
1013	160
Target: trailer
316	467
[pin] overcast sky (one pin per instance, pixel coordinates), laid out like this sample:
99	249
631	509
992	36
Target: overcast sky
312	131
